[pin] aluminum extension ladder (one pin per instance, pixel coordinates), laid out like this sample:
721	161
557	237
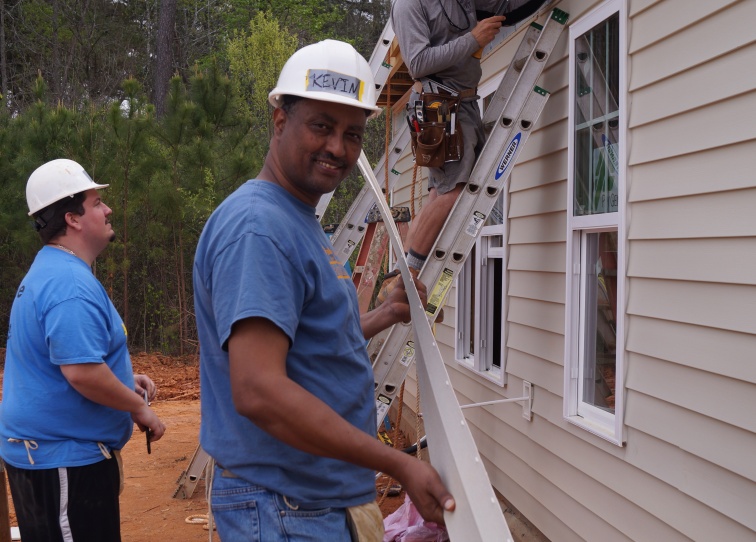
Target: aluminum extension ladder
513	111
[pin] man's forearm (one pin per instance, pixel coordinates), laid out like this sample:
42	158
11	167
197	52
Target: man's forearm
377	320
96	382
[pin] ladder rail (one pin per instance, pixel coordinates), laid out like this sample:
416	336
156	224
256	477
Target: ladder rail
323	205
189	478
379	66
527	64
511	76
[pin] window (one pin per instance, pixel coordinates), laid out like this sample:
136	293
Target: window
480	306
595	221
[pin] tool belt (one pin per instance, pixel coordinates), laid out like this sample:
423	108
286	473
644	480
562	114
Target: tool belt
435	130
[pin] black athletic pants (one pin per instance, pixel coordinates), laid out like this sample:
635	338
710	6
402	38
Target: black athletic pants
78	504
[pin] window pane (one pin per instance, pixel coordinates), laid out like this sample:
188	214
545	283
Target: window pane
597	119
600	355
497	324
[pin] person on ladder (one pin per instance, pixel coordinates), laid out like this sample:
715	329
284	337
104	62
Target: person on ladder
288	411
441	42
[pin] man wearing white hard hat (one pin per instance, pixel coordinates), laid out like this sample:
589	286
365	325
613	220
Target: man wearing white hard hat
288	411
70	398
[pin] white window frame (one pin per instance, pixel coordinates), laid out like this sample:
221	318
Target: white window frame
483	335
599	422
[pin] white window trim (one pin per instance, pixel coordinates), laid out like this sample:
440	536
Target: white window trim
599	423
497	375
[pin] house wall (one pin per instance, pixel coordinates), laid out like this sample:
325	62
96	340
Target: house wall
688	466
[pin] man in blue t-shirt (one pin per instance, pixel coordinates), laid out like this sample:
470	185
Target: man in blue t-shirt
288	410
69	402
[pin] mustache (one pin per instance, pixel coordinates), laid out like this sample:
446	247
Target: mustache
328	157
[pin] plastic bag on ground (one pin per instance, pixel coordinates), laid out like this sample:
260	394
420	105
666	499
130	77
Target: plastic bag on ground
407	525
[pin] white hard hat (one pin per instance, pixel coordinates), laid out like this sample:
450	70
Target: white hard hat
329	71
54	181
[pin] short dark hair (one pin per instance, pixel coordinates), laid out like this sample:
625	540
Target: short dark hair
289	102
50	222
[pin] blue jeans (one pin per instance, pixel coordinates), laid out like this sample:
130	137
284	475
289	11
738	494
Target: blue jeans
244	512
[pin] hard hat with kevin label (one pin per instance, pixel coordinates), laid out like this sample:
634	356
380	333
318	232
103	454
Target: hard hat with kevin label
329	71
54	181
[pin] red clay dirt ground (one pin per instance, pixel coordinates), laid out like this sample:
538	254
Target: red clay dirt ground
148	509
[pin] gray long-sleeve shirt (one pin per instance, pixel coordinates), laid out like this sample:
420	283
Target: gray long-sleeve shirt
432	45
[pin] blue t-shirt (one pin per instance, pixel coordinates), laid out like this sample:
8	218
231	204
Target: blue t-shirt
61	315
264	254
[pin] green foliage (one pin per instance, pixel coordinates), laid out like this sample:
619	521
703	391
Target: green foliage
165	179
78	85
255	60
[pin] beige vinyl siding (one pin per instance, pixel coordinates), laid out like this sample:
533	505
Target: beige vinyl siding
690	312
537	342
725	214
722	306
718	397
655	418
545	462
536	202
704	172
541	286
536	369
668	51
542	257
595	478
704	260
687	470
727	353
667	18
692	89
546	170
715	125
529	312
547	228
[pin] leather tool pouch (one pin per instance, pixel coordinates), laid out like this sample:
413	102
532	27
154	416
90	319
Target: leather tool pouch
438	141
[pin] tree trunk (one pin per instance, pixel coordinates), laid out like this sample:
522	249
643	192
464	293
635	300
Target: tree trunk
163	69
55	70
125	227
3	55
